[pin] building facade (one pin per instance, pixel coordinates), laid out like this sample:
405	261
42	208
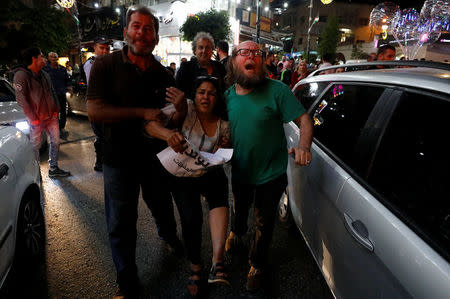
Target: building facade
353	23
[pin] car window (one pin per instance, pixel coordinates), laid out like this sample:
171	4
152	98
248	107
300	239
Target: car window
340	117
6	95
412	165
308	93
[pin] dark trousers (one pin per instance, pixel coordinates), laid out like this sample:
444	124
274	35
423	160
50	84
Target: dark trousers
266	198
122	186
62	111
214	186
96	128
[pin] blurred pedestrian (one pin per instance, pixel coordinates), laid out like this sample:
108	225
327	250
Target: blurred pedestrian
35	94
270	67
326	62
101	47
204	127
222	51
62	84
372	57
200	65
286	74
126	89
257	109
300	73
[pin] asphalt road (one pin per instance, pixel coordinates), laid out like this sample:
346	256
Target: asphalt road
78	262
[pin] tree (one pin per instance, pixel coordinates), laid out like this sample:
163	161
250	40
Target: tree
357	53
42	26
212	21
330	37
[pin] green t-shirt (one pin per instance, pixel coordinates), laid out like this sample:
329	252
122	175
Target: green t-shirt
257	134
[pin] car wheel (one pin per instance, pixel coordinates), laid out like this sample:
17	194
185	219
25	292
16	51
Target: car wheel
30	230
284	211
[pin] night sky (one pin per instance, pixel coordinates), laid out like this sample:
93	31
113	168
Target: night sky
402	3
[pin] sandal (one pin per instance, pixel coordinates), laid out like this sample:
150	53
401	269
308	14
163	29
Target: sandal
194	285
218	274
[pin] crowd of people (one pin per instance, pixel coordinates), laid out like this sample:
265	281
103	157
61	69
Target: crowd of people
238	101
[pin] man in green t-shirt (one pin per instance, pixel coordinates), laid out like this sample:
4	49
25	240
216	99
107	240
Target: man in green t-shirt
257	108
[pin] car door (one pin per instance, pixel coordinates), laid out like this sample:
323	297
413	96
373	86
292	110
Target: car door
399	215
7	217
339	118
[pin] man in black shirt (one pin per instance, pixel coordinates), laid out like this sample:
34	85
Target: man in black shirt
127	88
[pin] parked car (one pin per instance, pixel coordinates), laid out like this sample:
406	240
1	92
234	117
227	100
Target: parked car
374	204
22	226
77	103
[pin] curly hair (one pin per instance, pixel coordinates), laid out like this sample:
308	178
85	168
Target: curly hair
202	35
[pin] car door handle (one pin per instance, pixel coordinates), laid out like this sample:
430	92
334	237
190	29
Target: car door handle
3	170
358	231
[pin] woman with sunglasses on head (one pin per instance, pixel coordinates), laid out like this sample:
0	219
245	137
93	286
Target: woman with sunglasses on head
204	127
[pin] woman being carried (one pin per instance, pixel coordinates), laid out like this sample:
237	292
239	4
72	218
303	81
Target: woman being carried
204	127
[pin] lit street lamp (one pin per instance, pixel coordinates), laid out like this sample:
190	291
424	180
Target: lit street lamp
311	23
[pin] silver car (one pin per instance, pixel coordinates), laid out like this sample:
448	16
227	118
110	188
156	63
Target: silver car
374	204
22	226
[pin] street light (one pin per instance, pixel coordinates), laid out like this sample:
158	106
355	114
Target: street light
311	24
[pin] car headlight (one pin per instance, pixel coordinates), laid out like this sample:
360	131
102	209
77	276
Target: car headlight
23	126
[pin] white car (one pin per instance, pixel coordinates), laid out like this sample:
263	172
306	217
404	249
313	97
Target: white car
374	204
22	226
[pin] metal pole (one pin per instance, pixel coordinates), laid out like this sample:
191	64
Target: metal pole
80	56
309	30
258	18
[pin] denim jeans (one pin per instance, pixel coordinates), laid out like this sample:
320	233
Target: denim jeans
63	110
266	198
98	143
122	186
51	127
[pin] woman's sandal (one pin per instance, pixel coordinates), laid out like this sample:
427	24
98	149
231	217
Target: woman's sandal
218	274
195	285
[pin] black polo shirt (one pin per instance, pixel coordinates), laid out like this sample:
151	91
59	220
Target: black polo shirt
115	79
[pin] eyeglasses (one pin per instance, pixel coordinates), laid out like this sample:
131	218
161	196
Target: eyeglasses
247	52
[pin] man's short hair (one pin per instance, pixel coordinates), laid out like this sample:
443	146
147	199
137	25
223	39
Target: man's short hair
29	53
270	53
327	57
143	10
52	54
202	35
384	48
223	46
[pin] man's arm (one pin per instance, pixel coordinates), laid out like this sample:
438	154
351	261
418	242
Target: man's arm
99	111
21	88
173	138
302	152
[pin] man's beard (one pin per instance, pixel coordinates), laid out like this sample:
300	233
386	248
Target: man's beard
249	82
138	51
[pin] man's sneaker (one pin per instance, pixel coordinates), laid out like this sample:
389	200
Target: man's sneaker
234	244
254	279
63	134
57	173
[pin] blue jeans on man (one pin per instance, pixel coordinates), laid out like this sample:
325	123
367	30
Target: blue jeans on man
122	186
51	127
